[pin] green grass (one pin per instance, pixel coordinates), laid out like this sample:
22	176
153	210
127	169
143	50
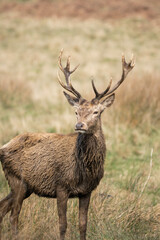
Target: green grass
32	100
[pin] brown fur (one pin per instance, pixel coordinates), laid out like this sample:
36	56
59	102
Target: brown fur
44	161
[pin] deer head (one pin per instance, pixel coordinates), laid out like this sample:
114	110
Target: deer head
89	112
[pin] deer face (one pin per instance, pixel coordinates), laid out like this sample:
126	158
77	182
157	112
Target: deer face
87	117
88	113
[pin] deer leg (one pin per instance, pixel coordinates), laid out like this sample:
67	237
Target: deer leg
15	214
5	207
19	190
83	212
62	198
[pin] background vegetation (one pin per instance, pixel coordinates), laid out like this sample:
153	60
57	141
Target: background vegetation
126	205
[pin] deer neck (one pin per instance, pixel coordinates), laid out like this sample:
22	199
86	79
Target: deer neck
90	147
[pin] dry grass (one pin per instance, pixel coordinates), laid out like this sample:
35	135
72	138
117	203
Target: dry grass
139	100
13	91
119	215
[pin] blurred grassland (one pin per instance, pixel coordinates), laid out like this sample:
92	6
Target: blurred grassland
31	100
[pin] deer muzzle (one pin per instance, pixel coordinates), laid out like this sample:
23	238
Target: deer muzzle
81	127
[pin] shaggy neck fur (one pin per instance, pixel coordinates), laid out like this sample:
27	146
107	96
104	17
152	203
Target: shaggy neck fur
90	153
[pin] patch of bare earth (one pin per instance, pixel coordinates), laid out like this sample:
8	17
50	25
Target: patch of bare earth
101	9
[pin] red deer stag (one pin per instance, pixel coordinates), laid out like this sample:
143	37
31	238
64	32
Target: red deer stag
60	166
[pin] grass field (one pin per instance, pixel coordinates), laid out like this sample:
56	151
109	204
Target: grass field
126	205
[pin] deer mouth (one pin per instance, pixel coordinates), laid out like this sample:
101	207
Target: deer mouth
80	130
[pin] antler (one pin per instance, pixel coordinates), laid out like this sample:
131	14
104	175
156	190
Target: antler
67	72
126	68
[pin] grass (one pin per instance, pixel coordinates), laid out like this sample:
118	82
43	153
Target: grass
32	100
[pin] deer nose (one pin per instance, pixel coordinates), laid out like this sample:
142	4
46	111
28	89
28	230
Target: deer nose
79	125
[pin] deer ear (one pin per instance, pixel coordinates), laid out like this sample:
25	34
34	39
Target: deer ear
72	100
107	102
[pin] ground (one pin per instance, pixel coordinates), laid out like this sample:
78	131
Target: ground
102	9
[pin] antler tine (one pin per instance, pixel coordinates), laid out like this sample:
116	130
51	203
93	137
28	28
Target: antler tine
126	68
100	95
61	83
95	90
67	72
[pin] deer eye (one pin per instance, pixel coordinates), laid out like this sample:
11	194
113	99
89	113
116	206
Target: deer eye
95	112
76	113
